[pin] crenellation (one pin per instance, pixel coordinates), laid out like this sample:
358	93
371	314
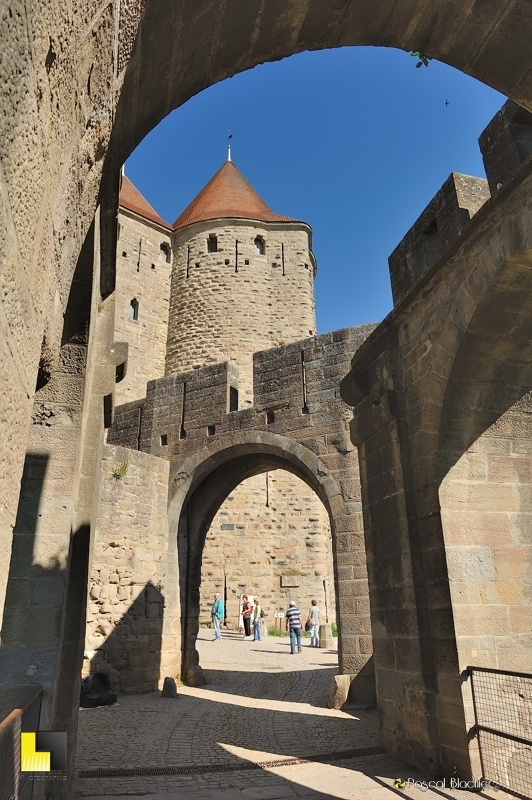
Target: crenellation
505	143
438	226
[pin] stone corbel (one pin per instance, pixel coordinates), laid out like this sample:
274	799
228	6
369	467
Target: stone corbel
355	386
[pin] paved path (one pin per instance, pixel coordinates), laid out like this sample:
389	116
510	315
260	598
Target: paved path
261	706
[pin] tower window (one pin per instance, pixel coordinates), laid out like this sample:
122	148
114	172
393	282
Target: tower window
134	309
212	243
233	398
166	253
260	245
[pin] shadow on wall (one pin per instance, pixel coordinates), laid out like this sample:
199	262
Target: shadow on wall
130	652
35	591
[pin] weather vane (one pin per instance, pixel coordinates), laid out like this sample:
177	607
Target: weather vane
229	146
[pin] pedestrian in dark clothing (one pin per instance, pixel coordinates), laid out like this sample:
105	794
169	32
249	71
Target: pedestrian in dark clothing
247	610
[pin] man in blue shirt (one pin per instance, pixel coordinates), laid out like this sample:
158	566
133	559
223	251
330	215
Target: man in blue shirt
217	614
293	624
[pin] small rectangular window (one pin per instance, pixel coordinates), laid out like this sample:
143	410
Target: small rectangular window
270	417
124	254
153	266
233	399
431	243
134	309
211	430
164	439
166	253
226	262
246	261
212	244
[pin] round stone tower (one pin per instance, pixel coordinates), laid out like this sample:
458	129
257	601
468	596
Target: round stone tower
242	280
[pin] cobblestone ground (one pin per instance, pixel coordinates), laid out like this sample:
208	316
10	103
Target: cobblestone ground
261	704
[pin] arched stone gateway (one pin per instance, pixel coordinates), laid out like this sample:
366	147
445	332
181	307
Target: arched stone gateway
201	490
298	424
84	87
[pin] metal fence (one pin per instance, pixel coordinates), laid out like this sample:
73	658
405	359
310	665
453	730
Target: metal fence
25	717
502	704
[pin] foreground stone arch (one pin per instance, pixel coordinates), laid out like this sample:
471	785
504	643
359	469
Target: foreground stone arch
84	89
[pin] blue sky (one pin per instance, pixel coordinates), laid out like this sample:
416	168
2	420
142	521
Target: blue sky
354	141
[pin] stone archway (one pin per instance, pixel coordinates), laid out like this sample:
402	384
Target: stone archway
209	482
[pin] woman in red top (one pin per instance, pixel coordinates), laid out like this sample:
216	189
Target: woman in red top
247	610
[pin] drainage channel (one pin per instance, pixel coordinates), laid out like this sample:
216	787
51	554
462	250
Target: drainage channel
197	769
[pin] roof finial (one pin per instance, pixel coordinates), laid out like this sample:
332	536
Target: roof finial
229	146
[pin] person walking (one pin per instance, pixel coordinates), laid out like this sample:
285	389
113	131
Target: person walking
217	614
314	622
293	624
257	622
247	610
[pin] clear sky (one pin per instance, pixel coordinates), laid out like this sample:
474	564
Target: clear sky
354	141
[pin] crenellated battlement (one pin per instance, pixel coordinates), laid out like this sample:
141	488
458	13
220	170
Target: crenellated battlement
295	390
439	225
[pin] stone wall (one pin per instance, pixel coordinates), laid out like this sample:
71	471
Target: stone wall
133	627
142	275
223	308
505	143
486	500
269	526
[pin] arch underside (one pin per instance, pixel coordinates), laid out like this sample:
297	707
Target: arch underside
492	369
201	43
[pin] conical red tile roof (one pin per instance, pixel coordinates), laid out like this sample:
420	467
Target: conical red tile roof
131	198
228	195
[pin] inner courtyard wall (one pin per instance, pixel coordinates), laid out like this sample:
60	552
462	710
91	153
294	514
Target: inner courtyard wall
133	612
271	537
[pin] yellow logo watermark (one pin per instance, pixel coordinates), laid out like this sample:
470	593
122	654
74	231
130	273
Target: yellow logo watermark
43	751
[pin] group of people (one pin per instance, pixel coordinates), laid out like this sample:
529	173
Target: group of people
252	615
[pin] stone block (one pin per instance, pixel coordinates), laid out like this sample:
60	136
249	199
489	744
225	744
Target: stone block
327	640
169	688
473	563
